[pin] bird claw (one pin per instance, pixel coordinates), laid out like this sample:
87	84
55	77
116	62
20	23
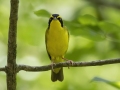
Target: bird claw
52	65
69	62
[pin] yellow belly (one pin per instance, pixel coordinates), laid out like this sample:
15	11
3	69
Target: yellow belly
57	43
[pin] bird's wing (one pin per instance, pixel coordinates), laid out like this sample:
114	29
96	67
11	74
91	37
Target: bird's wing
46	42
65	28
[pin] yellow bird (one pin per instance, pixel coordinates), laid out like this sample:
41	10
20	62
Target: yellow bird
57	39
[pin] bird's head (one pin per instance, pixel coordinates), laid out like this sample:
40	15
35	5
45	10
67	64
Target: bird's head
55	19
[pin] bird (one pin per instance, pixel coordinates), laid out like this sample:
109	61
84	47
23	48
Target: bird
56	40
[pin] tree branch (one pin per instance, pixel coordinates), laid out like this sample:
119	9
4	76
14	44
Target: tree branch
11	57
66	64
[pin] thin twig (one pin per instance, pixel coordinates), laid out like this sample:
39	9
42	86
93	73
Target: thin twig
66	64
2	69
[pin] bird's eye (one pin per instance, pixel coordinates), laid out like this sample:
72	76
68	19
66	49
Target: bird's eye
50	19
59	18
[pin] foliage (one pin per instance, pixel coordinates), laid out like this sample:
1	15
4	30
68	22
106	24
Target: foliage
94	34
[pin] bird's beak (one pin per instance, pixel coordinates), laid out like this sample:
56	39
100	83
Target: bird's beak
55	18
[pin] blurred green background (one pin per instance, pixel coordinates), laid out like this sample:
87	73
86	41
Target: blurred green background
94	27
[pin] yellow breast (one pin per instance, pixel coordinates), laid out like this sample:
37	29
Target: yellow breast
57	39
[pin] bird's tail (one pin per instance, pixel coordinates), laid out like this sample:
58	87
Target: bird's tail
57	76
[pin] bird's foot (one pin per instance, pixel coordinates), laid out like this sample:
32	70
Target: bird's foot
52	65
69	62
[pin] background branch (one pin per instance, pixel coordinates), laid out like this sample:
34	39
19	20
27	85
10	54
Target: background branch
106	3
11	57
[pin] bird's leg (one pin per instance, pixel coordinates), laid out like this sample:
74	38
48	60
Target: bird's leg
69	62
52	65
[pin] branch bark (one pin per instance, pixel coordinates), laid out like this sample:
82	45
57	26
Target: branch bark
66	64
11	57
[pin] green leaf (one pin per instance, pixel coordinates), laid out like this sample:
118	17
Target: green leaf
88	20
114	84
90	32
42	13
71	25
109	27
112	31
